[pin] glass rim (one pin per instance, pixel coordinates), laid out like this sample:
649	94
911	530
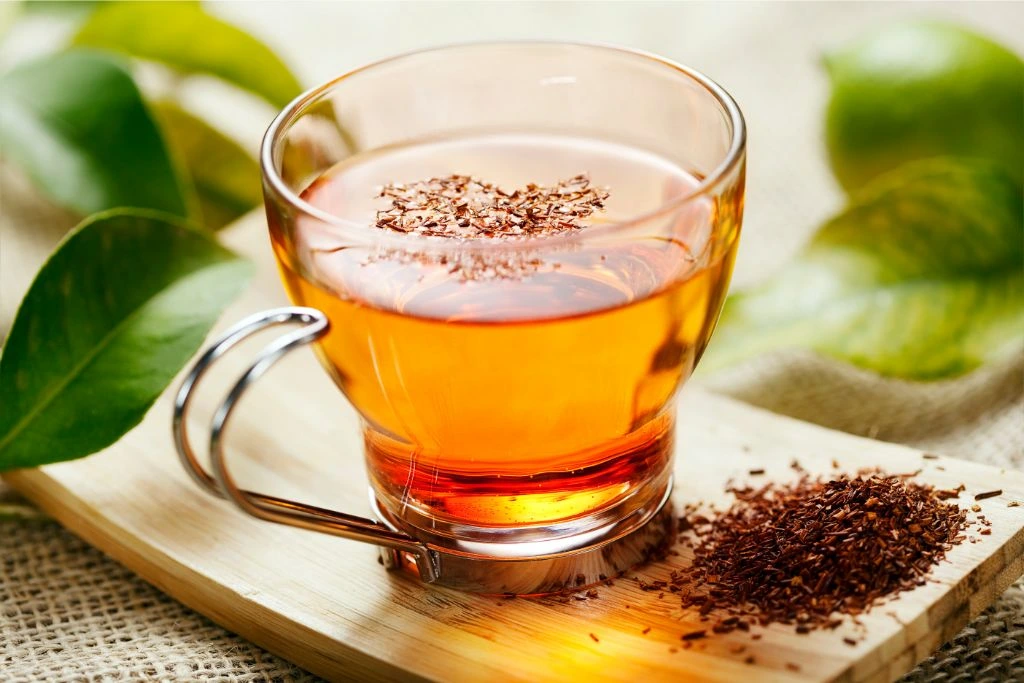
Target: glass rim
297	107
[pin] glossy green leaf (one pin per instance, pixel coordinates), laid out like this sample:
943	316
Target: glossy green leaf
225	177
183	36
921	277
76	123
111	317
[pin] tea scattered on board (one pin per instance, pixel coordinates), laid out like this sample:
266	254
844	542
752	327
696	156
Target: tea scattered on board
811	551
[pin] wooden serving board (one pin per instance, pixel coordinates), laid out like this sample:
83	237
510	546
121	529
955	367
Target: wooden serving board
327	605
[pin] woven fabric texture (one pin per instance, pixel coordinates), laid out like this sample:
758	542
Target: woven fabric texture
67	612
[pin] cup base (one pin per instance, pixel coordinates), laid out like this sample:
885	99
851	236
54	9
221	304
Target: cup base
565	563
514	536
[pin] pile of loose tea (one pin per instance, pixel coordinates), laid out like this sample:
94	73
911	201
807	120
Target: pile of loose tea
462	206
807	552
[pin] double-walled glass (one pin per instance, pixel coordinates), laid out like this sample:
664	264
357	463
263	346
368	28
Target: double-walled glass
513	390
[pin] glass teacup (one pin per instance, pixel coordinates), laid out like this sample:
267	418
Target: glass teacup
514	355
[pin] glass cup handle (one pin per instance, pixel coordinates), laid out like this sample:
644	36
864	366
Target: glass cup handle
270	508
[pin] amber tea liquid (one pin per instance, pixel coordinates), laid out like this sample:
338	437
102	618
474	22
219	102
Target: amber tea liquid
538	401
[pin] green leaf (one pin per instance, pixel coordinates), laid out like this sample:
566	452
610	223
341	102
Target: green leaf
188	39
111	317
922	277
77	125
225	177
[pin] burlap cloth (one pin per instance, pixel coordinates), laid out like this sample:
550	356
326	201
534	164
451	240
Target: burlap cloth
67	612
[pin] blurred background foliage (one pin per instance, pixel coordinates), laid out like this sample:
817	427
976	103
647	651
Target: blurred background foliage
92	139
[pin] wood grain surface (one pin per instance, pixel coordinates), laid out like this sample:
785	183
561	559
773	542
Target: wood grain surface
326	603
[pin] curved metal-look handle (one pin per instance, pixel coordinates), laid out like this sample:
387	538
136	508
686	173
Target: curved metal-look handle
270	508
